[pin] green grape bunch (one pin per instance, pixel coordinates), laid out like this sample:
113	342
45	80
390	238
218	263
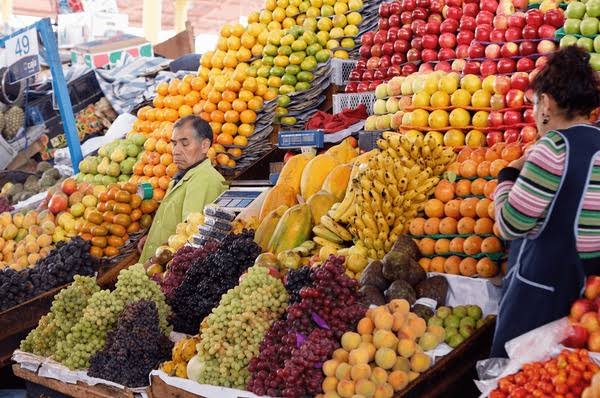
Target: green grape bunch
232	333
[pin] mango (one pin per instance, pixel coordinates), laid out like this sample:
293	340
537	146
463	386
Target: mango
337	181
291	174
320	203
280	194
315	173
343	152
293	229
265	230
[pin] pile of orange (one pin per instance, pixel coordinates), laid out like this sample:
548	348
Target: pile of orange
120	212
464	212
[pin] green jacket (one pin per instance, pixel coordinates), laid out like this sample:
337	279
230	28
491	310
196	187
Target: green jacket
198	187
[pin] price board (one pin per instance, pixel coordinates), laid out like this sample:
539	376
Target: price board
22	54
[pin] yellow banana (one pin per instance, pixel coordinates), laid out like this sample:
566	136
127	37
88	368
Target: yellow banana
381	224
387	246
386	207
376	197
324	242
382	144
402	184
378	186
389	218
368	243
365	182
380	253
326	233
369	222
336	228
372	253
378	244
393	153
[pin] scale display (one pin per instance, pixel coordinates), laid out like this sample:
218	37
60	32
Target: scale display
238	200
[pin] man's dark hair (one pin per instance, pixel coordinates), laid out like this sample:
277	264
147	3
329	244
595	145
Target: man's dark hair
201	128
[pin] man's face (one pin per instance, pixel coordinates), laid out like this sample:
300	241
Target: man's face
188	148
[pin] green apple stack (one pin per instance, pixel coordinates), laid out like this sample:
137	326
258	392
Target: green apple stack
459	322
582	28
114	162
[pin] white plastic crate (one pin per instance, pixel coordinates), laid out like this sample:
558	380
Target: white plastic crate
7	153
352	100
340	70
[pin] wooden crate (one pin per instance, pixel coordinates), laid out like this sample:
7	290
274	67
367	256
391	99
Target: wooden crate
79	390
16	322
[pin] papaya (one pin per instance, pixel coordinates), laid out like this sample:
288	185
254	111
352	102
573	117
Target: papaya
342	152
292	230
280	194
265	230
337	181
314	174
291	174
319	204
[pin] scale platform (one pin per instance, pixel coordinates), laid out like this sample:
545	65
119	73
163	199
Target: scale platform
239	198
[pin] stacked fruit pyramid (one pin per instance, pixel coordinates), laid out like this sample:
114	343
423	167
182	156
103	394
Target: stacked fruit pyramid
581	28
458	234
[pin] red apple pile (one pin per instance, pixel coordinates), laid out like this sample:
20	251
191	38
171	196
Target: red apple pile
511	116
504	44
585	318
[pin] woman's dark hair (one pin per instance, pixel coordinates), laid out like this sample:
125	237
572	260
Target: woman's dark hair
201	127
569	79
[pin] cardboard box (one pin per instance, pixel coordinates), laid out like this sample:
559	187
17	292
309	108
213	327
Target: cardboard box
99	53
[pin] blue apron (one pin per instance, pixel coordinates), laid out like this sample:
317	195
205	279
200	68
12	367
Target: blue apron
545	274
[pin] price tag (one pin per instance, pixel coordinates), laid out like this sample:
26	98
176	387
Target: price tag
22	54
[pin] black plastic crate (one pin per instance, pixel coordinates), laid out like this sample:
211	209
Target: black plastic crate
367	140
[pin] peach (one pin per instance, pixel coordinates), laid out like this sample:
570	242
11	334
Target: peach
402	364
428	341
358	355
330	366
342	372
419	326
384	320
398	379
420	362
412	376
385	358
399	319
341	355
329	384
379	376
365	326
437	330
399	305
406	332
360	371
331	394
384	338
350	340
366	388
366	338
345	388
406	348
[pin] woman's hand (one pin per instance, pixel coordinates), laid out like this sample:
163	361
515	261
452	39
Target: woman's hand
518	163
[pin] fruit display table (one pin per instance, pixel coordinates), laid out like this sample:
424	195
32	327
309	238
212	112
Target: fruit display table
16	322
38	386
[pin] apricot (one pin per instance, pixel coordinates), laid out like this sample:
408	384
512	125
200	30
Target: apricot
366	388
358	355
420	362
360	371
399	319
345	388
379	376
384	391
330	366
468	266
398	380
350	340
399	305
428	341
402	364
384	338
383	320
385	358
438	331
437	264
406	348
412	376
366	338
365	326
331	394
340	354
451	266
342	372
418	325
329	384
370	348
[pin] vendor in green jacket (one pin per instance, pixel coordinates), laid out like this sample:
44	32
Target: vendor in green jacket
194	186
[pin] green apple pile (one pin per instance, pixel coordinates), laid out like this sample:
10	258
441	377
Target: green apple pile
581	28
459	322
114	162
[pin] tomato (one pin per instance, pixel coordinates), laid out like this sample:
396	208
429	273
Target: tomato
519	392
520	379
561	388
497	394
504	384
546	387
577	390
537	393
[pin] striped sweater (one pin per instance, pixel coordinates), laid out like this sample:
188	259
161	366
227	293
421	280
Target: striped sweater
523	203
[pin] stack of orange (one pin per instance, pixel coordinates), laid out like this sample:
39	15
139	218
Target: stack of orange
463	211
120	212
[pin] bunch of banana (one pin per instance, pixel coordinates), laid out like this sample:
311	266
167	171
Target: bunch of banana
423	152
330	233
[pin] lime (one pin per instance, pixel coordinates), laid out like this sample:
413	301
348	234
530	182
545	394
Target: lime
289	120
267	60
270	50
308	64
287	40
263	71
286	89
302	86
284	50
323	56
309	37
299	45
313	49
280	111
277	71
289	80
283	100
281	60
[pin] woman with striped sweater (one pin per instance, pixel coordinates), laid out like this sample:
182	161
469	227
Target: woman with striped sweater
548	202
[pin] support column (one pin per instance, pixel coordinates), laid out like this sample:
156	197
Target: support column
151	18
181	14
7	10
